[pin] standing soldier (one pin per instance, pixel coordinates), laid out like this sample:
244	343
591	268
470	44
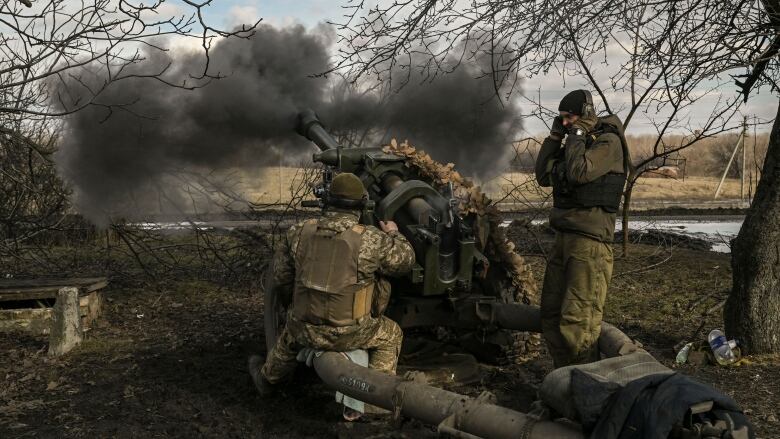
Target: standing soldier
587	173
333	266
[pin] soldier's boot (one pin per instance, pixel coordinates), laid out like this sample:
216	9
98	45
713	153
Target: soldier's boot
351	415
261	383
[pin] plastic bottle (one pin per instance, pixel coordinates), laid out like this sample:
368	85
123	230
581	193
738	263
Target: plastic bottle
721	348
682	356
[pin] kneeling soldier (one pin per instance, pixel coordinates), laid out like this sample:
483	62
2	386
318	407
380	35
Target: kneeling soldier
333	266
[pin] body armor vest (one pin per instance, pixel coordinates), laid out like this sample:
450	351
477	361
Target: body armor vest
327	291
604	192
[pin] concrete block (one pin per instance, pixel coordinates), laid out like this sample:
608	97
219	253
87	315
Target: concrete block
66	331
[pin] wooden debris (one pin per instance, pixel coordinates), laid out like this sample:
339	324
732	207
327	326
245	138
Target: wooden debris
23	302
26	289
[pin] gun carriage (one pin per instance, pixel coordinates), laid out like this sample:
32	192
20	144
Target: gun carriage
453	283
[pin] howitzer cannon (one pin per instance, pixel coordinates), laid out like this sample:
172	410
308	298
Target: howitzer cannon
442	239
453	284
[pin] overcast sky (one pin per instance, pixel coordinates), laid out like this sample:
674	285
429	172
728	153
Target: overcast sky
312	12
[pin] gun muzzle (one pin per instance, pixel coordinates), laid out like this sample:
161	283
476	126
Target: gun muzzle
310	127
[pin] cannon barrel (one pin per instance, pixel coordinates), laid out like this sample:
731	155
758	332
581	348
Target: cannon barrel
310	127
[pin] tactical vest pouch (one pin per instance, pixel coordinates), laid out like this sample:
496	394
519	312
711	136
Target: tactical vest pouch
327	291
604	192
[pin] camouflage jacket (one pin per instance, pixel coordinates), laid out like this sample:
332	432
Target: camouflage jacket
388	254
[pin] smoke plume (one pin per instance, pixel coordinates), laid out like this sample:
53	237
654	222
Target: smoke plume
120	159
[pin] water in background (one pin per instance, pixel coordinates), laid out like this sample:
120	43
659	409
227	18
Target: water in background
718	231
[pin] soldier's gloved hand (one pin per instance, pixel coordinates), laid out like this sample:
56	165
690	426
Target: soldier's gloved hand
389	226
557	131
585	124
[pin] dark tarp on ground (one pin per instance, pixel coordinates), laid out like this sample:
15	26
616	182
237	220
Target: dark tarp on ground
646	408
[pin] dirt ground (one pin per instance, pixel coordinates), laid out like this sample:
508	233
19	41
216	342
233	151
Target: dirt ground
171	363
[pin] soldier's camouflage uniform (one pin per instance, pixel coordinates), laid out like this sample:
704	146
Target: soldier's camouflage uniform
579	268
380	254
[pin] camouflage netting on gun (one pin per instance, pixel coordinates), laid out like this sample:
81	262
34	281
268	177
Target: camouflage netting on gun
497	247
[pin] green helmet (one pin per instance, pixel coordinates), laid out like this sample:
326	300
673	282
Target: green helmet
347	186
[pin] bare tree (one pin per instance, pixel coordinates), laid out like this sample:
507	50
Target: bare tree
660	59
47	45
527	38
32	197
752	312
675	50
47	42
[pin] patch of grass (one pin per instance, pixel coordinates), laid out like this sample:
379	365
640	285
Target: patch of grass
668	299
104	346
692	188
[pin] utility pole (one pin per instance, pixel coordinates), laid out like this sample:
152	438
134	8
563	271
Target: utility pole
740	142
755	168
744	161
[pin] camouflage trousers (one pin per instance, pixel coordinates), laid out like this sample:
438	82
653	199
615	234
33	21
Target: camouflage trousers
381	337
575	288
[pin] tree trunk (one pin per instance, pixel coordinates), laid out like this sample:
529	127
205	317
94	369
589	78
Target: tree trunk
626	209
752	313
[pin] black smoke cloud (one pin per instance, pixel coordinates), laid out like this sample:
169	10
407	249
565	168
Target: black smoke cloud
118	160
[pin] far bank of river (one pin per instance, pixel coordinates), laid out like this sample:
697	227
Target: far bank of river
718	230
